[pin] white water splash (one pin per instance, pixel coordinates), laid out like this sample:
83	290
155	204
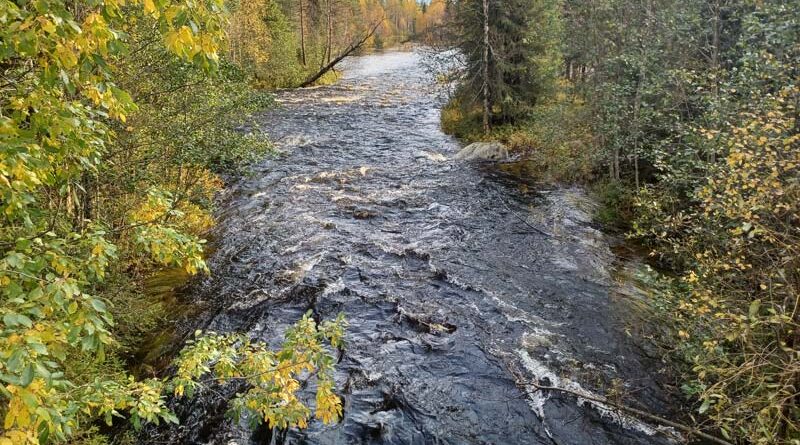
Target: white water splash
537	398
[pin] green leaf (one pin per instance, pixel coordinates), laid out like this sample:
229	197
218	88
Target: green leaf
170	417
98	305
42	370
15	260
12	379
29	399
12	319
27	375
704	407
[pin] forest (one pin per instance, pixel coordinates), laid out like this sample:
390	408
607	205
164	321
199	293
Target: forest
122	122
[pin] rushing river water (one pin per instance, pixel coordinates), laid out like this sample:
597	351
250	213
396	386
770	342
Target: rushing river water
459	281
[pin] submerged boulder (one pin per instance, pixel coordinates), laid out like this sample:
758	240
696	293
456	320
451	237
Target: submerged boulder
494	151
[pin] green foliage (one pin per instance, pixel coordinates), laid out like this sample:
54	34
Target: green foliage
265	41
705	134
109	140
616	203
56	112
554	138
462	121
740	249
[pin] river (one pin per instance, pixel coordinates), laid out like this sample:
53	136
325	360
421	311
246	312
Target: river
364	213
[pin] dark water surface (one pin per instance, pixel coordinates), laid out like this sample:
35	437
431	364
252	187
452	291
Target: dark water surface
451	294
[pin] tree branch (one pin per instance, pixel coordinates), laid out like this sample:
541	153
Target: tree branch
626	409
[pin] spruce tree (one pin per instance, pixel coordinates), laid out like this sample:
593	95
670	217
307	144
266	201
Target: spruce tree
511	54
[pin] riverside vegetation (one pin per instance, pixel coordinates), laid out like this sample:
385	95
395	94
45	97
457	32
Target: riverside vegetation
683	116
117	118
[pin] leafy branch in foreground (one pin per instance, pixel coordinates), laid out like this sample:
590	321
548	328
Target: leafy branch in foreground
92	187
58	104
273	377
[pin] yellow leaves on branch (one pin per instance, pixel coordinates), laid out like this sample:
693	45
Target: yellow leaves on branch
274	377
168	223
736	304
168	227
329	405
181	42
755	186
150	8
68	57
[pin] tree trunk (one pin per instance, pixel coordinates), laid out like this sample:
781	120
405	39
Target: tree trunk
329	48
486	107
353	47
302	34
637	106
715	65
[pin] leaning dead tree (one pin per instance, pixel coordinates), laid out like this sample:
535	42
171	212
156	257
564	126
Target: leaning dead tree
350	50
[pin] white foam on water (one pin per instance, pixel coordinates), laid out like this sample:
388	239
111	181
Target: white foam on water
305	242
340	99
296	140
510	312
537	398
433	156
335	287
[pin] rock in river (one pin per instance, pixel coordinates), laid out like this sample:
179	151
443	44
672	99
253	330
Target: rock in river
494	151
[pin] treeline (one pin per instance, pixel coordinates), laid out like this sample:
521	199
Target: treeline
284	42
683	115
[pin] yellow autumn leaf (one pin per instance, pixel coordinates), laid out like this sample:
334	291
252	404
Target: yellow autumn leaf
150	8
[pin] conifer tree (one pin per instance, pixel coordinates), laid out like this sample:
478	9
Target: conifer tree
511	54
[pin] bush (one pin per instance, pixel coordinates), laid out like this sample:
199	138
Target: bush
111	145
616	204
